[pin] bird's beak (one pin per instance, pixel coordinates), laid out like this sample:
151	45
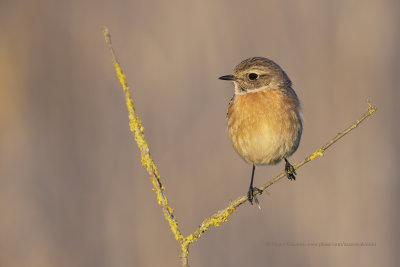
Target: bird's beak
228	78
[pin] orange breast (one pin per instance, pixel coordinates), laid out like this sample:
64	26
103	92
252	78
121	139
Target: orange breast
265	126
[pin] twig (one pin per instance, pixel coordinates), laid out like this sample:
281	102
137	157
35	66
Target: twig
222	215
147	161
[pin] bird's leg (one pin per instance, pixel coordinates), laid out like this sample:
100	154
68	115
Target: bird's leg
250	193
290	171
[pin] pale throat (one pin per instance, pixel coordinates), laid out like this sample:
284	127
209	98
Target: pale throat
239	91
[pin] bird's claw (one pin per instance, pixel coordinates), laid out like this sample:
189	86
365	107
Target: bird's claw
252	195
290	171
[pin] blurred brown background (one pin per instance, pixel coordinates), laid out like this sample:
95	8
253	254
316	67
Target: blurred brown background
73	193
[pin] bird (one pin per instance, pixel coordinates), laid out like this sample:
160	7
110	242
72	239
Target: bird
265	120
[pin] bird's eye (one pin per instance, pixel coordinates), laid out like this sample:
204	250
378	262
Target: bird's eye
253	76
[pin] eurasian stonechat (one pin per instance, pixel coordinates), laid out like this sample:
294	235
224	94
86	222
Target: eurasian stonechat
264	115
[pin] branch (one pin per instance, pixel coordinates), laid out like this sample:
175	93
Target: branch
222	215
137	129
147	161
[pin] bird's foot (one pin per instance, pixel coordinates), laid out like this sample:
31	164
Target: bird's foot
290	171
252	195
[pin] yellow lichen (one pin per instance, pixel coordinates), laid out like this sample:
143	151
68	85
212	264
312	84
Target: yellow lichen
371	109
216	220
135	126
316	154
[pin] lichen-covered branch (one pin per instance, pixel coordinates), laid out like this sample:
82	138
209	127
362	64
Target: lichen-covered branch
222	215
147	161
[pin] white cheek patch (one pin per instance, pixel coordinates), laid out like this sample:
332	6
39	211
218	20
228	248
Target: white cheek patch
239	91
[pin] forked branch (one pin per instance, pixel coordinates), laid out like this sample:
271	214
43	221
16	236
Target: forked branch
147	161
